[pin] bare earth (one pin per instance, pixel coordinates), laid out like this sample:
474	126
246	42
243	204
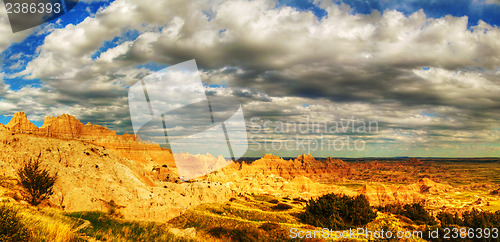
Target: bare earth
98	168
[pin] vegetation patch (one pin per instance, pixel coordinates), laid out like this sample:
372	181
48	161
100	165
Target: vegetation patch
236	234
416	212
471	219
267	226
36	181
338	212
109	228
281	207
11	228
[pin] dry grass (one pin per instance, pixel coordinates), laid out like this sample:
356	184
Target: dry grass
244	219
250	219
44	224
49	225
110	228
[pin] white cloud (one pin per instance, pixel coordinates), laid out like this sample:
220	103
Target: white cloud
368	66
256	34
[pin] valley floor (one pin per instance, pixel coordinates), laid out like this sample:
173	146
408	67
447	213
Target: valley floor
454	187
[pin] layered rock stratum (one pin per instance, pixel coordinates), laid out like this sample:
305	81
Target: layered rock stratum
67	127
98	168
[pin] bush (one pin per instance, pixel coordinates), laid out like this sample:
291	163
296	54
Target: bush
338	212
11	228
281	207
268	226
416	212
114	209
481	219
448	219
36	181
236	234
471	219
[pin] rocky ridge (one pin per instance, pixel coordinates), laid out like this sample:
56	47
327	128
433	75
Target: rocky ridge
304	165
68	127
96	166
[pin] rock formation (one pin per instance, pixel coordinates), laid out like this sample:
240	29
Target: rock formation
382	195
90	176
95	166
304	165
69	128
20	124
426	185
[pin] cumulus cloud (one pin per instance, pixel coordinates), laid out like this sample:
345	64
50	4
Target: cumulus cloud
409	72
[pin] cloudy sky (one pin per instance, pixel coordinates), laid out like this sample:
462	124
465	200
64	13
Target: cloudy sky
355	78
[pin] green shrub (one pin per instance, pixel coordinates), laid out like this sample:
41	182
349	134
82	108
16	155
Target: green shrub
448	219
338	212
236	234
268	226
416	212
37	182
281	207
11	228
480	219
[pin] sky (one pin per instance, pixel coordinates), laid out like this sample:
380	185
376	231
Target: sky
332	78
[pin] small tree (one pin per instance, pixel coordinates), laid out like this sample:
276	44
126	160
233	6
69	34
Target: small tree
36	181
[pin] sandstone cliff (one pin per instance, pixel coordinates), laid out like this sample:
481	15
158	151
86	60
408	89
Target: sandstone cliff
20	124
69	128
90	176
95	166
304	165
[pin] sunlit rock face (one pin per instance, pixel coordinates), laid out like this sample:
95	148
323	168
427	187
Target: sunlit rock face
20	124
69	128
95	166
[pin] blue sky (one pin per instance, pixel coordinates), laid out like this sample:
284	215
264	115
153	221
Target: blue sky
416	73
474	10
24	51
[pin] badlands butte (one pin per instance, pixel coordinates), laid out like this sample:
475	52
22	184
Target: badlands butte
96	168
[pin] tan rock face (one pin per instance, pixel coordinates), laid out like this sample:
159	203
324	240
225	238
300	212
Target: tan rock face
426	185
69	128
95	166
305	158
382	195
20	123
326	170
90	176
